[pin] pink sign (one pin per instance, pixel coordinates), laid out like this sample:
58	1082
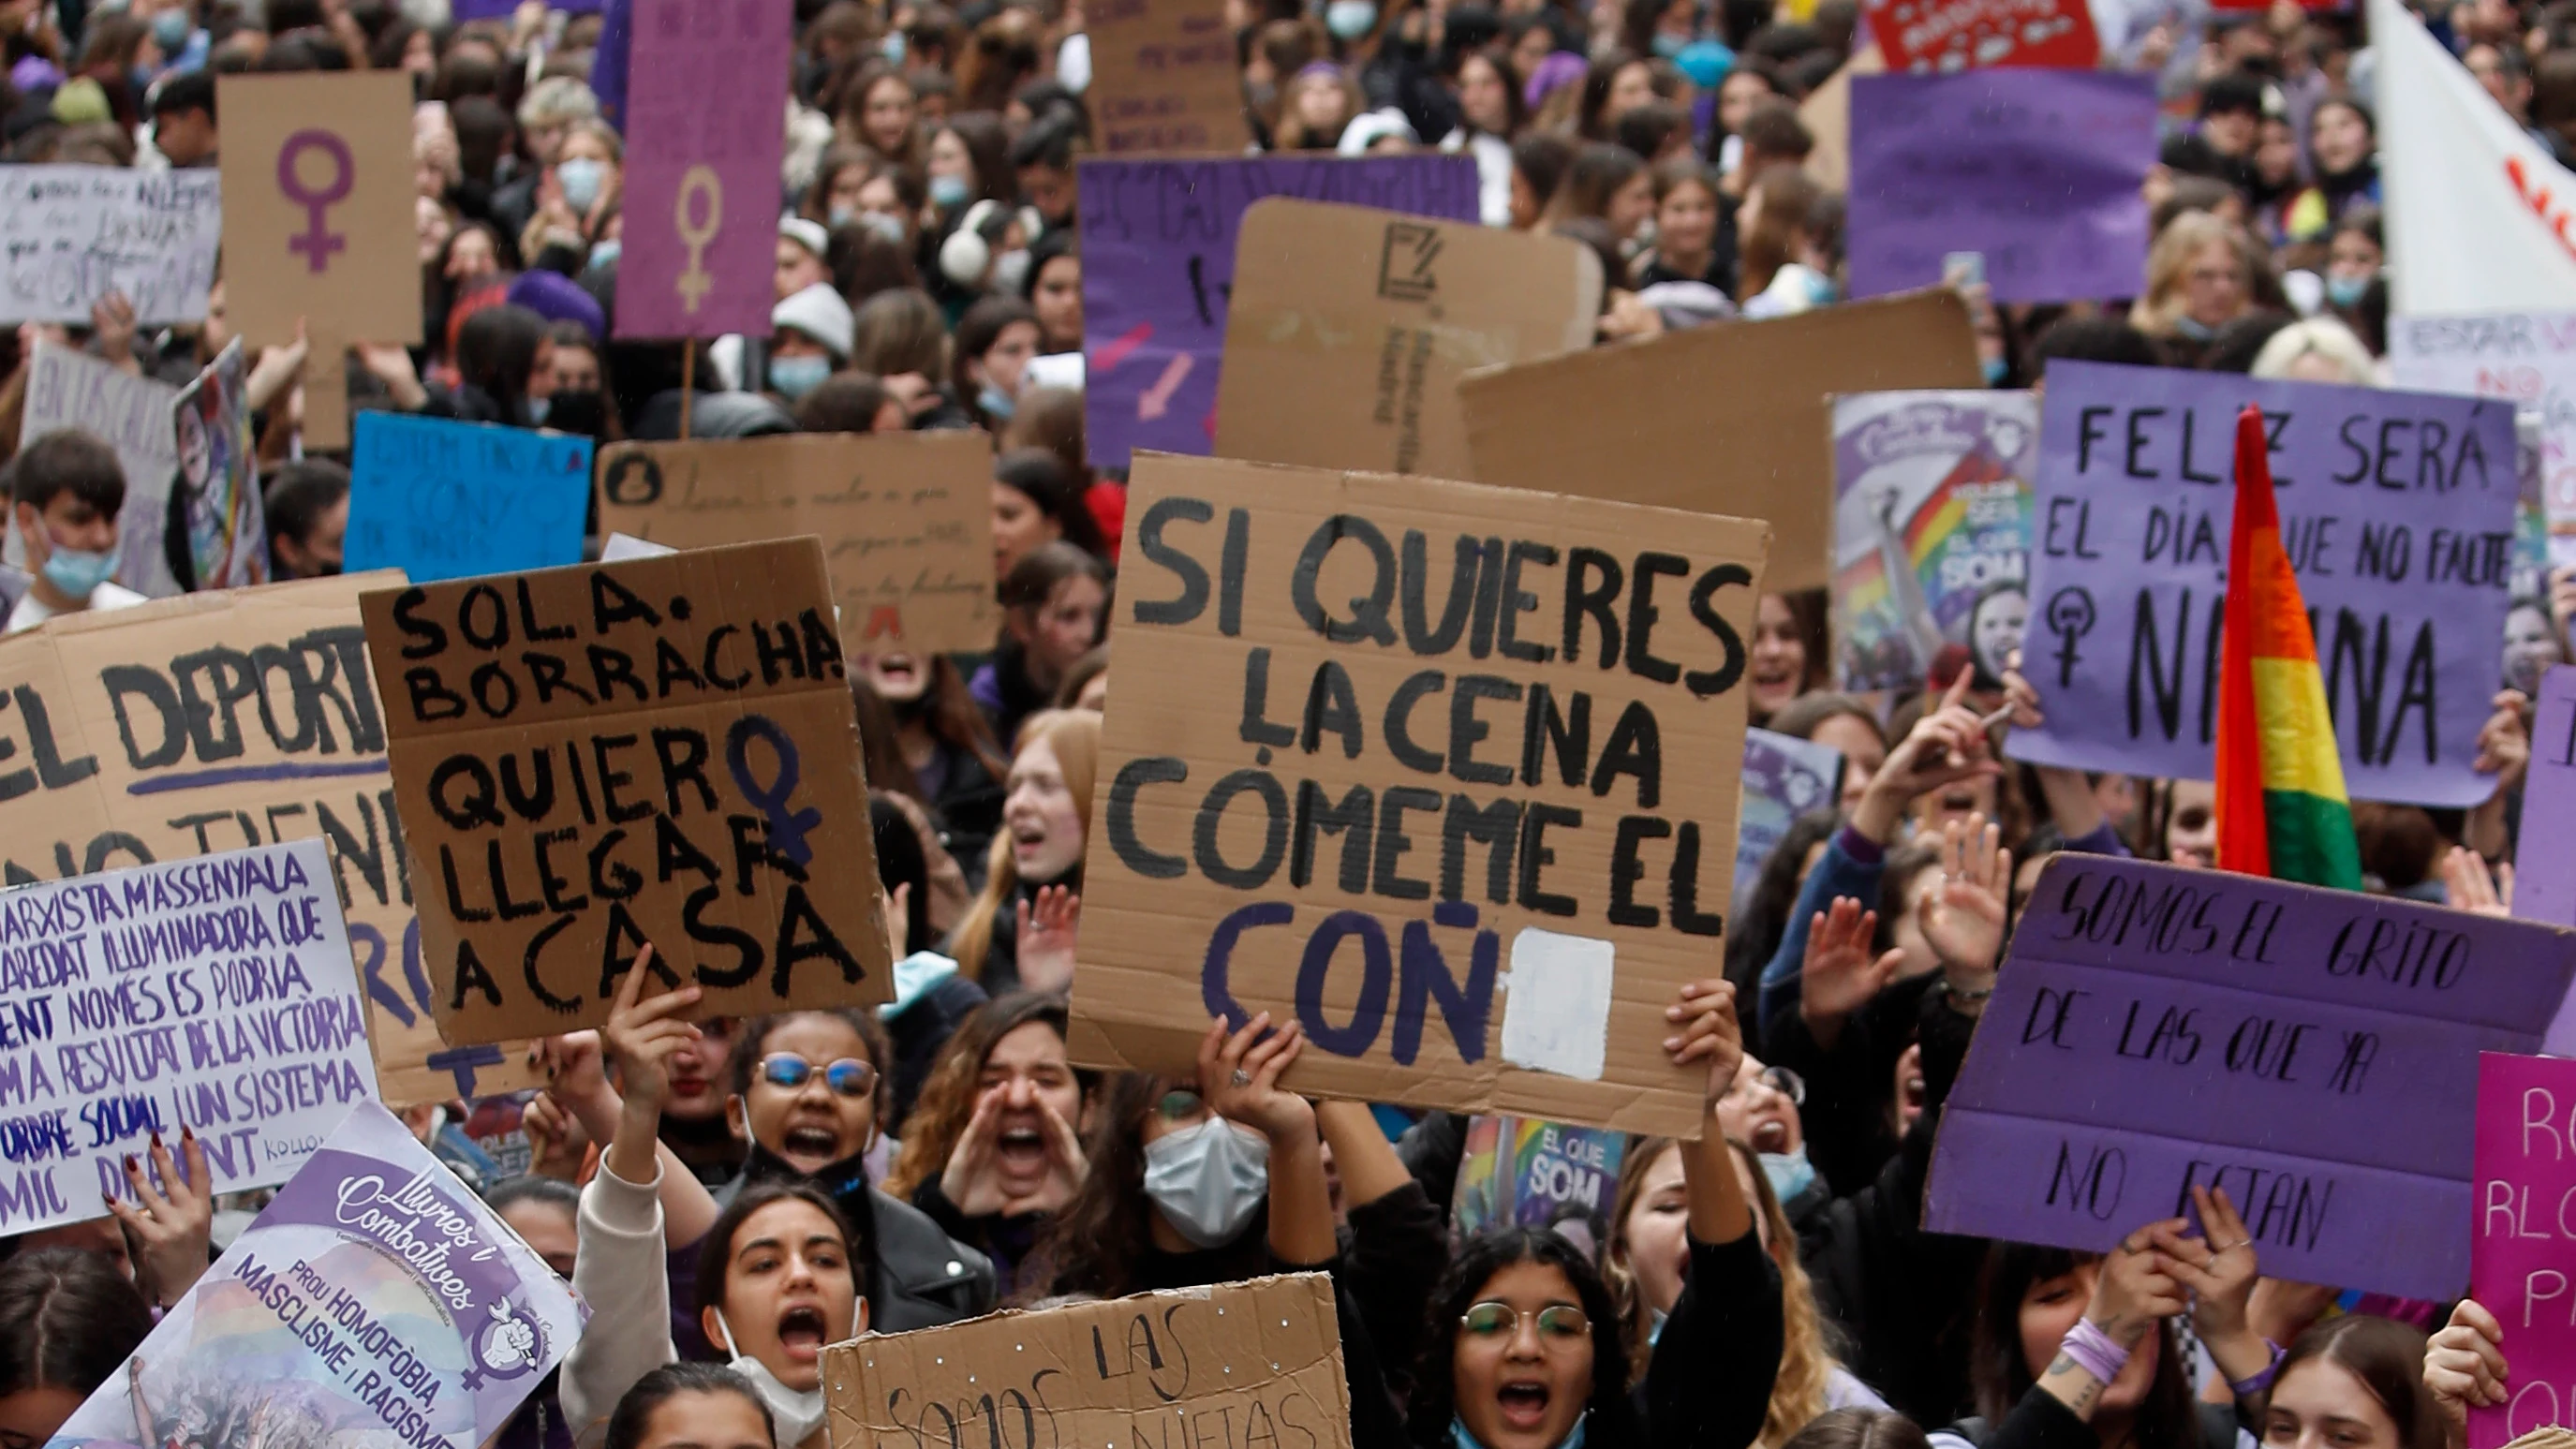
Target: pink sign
706	122
2522	1248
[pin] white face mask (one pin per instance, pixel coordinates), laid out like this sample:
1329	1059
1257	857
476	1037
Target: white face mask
1209	1179
798	1413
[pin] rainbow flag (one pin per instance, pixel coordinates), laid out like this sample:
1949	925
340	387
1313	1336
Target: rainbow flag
2282	810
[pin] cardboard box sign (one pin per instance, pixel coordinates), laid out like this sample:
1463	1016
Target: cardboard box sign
906	521
317	207
1350	329
220	721
1386	739
1250	1363
1723	419
660	750
1164	78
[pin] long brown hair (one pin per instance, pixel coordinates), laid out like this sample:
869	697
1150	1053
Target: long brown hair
947	1099
2388	1358
1097	1242
1788	193
1075	736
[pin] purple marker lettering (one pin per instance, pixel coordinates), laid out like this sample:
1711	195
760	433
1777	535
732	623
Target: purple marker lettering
318	242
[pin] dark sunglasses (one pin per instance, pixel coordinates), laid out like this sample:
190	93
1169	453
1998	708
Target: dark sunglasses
848	1077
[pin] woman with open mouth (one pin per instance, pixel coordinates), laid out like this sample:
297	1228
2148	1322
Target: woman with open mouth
1019	933
956	768
1528	1350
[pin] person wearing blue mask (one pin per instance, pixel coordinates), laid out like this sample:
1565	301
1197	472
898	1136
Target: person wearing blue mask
65	490
970	161
2354	255
577	191
995	340
812	340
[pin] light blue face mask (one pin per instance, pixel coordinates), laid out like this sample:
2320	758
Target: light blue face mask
949	192
170	31
1669	46
1350	19
538	407
793	377
580	179
997	404
1996	370
884	224
1820	289
892	47
76	571
606	252
1459	1438
1791	1174
2193	328
2347	291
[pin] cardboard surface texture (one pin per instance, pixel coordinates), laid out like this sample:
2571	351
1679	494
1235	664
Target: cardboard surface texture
1253	1362
1729	419
317	187
660	750
1387	739
1350	329
218	721
1163	77
906	521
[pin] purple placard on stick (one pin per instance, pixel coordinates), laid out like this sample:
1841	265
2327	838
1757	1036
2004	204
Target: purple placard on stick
706	93
2397	509
2038	170
2312	1052
2518	1241
375	1300
1158	266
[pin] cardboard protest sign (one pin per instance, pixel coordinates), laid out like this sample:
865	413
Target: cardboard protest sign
2527	359
1250	1362
214	993
906	521
1784	778
70	235
1350	328
219	721
1477	772
375	1300
657	751
1716	419
445	500
1927	36
705	128
2518	1248
1520	1171
2396	509
1164	77
2312	1052
2036	170
136	415
217	486
1158	245
1931	531
318	217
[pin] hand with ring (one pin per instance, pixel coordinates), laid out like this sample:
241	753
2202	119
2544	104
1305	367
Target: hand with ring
2219	1268
2135	1287
1239	1076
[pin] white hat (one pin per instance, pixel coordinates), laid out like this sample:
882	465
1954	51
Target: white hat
820	313
1368	129
807	234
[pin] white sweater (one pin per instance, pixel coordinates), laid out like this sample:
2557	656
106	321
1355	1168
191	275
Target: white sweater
620	1270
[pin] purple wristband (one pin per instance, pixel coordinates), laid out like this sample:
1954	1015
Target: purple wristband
2248	1387
2093	1351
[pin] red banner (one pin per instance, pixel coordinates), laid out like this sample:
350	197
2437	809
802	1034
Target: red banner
1949	35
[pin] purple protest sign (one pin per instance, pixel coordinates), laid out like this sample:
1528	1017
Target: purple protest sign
1158	267
1784	778
375	1300
2521	1240
706	92
2036	170
2544	883
2312	1052
2397	510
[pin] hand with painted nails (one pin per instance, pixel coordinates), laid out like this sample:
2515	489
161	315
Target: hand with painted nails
169	1222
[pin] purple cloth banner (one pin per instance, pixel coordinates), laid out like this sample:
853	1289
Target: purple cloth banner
1158	268
2544	884
461	11
2397	510
2312	1052
375	1300
2036	170
706	123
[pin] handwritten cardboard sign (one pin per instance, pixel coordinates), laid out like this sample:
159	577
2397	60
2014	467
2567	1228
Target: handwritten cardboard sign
218	479
1931	531
658	751
444	500
1926	36
1456	742
2524	1218
70	235
707	91
1716	419
318	217
68	389
2035	170
375	1300
214	993
220	721
2312	1052
1521	1171
906	521
1158	245
1254	1362
1784	778
1350	329
2397	509
1164	78
2527	359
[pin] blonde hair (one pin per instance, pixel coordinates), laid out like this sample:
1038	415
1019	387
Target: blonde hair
1074	734
2169	267
2321	337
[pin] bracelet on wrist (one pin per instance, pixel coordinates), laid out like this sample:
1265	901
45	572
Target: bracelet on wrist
2094	1351
2257	1382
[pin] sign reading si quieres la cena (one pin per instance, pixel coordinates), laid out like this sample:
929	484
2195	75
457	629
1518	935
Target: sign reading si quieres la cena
1391	748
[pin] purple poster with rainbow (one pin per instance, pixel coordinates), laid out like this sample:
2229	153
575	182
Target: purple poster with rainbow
375	1304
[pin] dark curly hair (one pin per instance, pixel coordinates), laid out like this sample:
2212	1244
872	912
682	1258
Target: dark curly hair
1609	1418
